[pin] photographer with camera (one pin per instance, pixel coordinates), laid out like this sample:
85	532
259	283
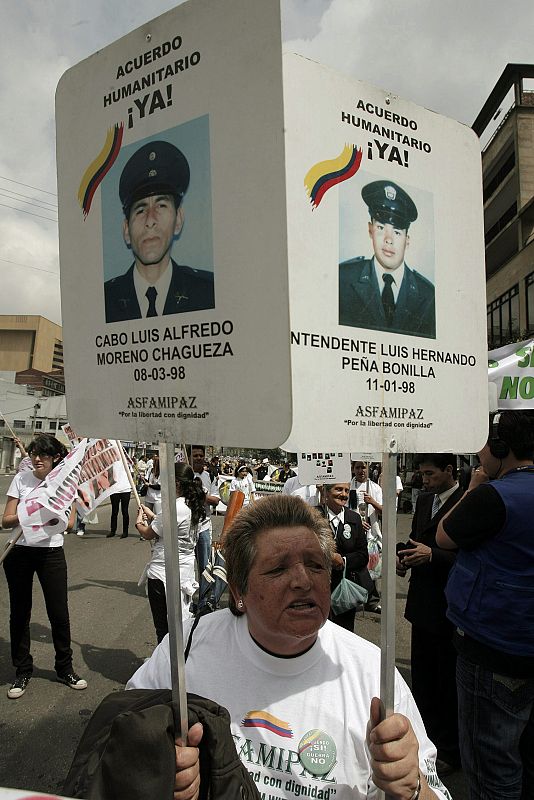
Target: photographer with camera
433	655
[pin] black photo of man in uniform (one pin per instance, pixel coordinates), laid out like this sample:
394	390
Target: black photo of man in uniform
383	293
151	189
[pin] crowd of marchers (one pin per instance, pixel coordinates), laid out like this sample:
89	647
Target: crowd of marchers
294	665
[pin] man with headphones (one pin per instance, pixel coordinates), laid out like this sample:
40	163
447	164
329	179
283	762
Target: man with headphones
490	596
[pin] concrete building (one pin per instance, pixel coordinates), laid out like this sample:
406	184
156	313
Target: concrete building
24	412
30	342
506	127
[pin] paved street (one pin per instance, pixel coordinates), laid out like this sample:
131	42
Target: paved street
112	633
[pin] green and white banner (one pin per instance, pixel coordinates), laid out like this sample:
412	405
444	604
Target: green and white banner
511	370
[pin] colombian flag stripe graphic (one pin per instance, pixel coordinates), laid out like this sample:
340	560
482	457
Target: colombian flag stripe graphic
262	719
326	174
97	170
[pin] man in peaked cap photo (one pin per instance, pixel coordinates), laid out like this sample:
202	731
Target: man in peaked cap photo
383	293
151	189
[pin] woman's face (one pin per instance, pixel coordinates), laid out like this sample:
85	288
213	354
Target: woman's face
288	595
242	474
337	496
42	465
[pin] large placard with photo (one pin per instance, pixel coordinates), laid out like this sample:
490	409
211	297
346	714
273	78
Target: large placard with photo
173	244
386	270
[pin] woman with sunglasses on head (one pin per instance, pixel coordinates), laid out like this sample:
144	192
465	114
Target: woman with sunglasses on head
189	512
45	558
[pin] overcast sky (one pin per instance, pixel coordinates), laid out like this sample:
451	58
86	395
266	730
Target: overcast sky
443	54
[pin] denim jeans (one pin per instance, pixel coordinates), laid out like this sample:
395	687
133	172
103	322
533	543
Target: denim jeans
202	554
493	711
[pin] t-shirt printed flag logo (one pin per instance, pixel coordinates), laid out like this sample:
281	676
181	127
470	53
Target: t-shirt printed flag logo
262	719
321	177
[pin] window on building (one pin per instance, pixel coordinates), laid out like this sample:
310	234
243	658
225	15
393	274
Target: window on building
2	423
501	223
503	318
491	184
19	423
38	425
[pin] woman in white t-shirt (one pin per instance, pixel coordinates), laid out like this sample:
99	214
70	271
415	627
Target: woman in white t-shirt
152	481
43	556
242	482
189	512
302	693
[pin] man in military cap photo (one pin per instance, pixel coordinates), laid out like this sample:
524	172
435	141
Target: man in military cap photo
382	292
151	189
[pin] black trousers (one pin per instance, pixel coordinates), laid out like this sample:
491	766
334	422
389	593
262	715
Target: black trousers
433	657
122	499
49	564
158	606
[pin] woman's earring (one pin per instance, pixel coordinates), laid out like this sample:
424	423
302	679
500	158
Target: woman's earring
240	604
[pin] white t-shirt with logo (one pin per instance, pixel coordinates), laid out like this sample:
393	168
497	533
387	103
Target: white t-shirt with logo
299	724
21	486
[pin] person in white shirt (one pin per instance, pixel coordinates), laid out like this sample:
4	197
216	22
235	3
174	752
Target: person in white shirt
42	555
302	693
211	500
308	492
242	482
366	498
189	513
152	481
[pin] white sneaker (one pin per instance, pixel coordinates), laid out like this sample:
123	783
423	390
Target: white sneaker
18	688
73	681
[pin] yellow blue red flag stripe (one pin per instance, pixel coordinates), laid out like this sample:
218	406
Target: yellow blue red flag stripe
97	169
262	719
326	174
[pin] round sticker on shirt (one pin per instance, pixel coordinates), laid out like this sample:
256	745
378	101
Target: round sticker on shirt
317	752
347	533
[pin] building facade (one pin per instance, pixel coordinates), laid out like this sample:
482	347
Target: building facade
30	342
508	191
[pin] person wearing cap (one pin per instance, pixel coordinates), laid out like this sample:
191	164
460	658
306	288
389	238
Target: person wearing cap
151	189
383	293
263	470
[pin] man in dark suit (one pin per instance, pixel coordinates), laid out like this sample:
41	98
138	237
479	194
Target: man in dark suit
351	542
151	189
433	655
383	293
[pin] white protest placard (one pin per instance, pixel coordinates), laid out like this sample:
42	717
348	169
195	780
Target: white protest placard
365	456
173	245
511	372
382	365
325	466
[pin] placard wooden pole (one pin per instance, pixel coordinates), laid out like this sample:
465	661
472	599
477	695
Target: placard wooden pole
16	534
128	472
388	599
173	588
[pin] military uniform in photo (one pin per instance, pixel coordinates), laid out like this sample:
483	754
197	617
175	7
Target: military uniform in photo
382	292
156	169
